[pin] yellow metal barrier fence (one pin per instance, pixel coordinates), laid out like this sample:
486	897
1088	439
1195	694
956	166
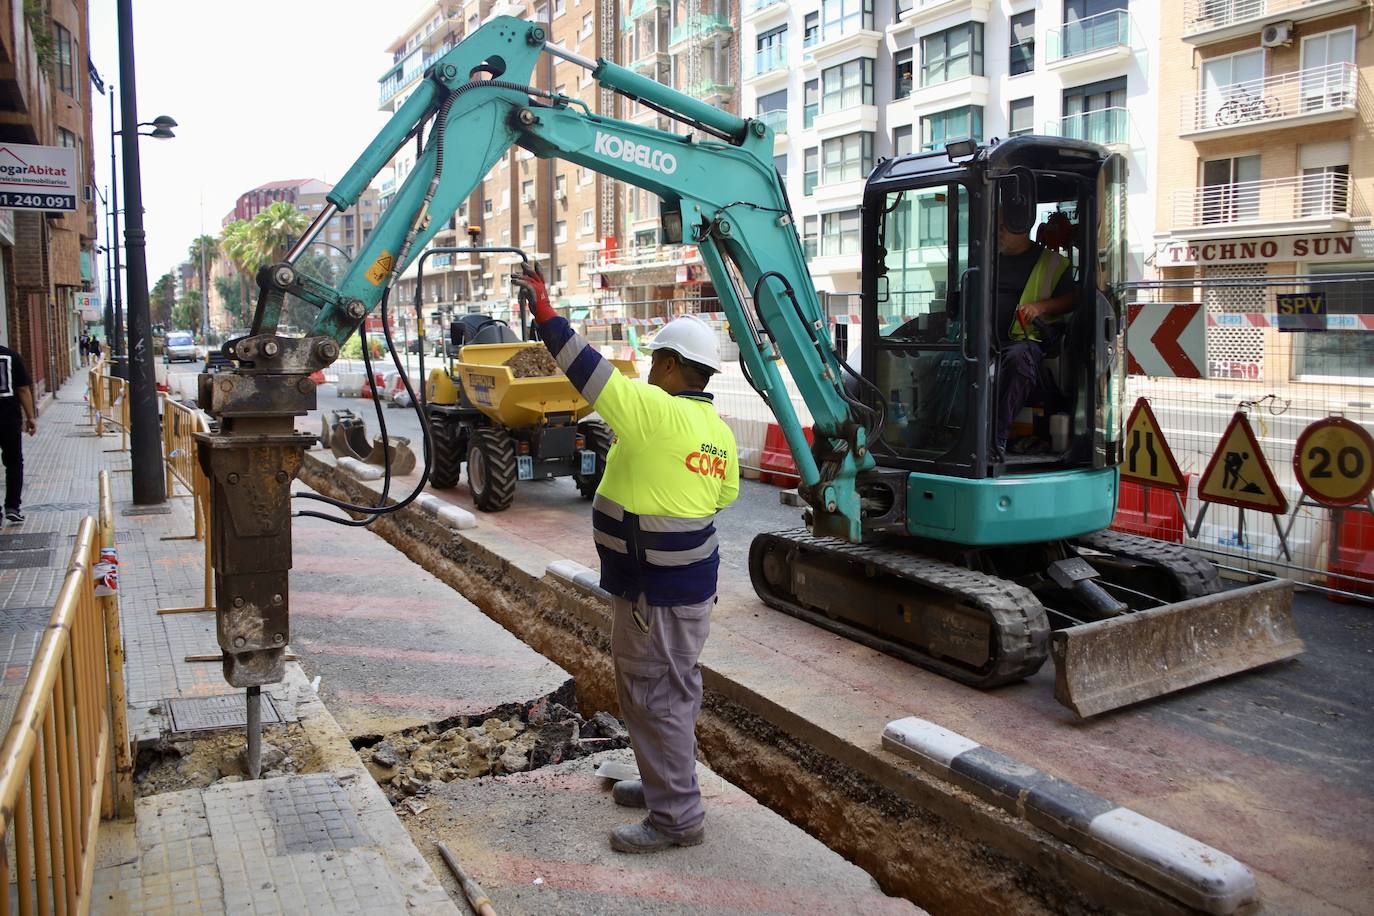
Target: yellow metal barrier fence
53	763
179	426
111	393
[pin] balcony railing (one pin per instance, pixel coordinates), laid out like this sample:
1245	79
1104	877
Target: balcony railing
773	57
698	25
1206	15
1094	33
640	256
1320	90
776	119
709	87
1274	200
755	6
1107	126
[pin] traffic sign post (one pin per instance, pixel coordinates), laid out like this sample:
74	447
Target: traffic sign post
1334	462
1238	475
1149	460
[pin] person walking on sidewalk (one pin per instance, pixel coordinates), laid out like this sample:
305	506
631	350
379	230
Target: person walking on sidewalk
17	416
672	468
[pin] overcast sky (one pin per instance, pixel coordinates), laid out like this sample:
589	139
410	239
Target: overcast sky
262	91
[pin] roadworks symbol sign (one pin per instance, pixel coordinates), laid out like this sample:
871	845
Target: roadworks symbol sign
1149	459
1238	475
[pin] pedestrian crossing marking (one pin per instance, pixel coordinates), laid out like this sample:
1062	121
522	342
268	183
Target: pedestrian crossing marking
1149	460
1237	475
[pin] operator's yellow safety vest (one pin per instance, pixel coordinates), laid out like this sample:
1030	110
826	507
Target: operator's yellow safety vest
1044	277
672	468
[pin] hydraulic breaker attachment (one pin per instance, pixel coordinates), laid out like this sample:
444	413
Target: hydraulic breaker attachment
1133	657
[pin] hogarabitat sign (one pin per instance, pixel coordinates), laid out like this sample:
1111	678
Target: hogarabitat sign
38	177
1333	246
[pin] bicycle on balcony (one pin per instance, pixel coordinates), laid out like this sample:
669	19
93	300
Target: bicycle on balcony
1244	106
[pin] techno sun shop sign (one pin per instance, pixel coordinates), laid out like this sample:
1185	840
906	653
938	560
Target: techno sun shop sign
38	177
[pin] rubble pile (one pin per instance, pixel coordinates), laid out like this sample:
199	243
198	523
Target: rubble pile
409	762
532	362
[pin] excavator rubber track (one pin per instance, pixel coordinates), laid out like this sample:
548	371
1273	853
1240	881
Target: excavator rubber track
1017	626
1192	575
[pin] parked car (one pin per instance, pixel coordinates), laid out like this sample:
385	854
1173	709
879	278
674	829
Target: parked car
181	345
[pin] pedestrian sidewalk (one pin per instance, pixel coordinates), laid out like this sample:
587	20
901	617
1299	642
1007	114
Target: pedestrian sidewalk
325	841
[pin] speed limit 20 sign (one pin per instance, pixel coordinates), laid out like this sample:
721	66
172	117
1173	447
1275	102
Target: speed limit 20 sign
1334	462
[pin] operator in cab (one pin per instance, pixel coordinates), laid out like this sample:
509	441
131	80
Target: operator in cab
1034	291
672	468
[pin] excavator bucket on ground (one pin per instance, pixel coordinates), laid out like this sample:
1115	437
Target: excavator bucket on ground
1112	663
345	434
402	458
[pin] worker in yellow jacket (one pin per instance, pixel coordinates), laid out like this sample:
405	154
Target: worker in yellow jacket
672	468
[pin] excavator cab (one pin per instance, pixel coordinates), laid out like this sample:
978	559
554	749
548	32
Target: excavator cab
957	369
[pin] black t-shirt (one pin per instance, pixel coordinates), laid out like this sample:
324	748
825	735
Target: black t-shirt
13	376
1013	270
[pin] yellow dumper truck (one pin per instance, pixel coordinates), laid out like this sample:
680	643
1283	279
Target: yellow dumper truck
503	406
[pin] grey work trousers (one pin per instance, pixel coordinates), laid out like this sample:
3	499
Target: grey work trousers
659	686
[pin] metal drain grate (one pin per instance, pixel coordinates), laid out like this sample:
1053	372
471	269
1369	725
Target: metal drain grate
25	559
199	714
38	540
31	508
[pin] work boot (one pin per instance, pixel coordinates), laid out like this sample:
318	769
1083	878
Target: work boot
645	837
629	793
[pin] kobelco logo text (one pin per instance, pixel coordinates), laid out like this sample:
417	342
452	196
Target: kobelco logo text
641	154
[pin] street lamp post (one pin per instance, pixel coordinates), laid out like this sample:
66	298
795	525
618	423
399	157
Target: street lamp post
145	439
117	339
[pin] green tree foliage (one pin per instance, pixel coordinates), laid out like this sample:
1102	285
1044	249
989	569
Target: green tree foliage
162	298
236	307
186	312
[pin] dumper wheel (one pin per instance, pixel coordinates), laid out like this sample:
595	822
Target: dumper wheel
598	438
447	460
491	469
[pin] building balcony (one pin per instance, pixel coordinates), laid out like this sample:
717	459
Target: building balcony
650	64
1088	43
920	12
770	66
1313	203
1209	21
697	28
711	90
965	90
1296	99
641	8
776	120
763	12
846	120
645	264
1109	127
837	48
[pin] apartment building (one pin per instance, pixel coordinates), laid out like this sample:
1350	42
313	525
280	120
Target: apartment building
1266	168
693	46
46	257
554	211
844	83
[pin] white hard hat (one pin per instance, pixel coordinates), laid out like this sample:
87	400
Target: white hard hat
692	339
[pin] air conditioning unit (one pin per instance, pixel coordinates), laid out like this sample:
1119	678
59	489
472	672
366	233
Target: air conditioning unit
561	194
527	198
1280	34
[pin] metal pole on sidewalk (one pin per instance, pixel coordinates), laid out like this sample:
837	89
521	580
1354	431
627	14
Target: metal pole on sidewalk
145	440
116	341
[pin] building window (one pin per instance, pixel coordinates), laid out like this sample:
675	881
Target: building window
840	233
952	54
1339	355
780	164
1021	117
1325	190
66	54
559	6
1096	112
811	170
560	231
847	158
811	103
584	177
586	26
1229	190
902	74
487	207
848	85
811	29
527	191
772	110
1022	54
811	229
527	235
901	140
584	225
840	17
560	187
66	138
964	123
771	50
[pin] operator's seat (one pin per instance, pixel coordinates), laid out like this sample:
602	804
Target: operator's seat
480	329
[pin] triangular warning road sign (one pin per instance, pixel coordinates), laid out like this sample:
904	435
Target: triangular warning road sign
1238	475
1148	457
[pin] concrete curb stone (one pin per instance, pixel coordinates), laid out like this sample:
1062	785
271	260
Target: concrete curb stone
1186	869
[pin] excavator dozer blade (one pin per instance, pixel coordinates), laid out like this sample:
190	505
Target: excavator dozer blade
402	457
1113	663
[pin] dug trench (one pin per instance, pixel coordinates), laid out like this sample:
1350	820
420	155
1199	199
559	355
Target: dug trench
920	837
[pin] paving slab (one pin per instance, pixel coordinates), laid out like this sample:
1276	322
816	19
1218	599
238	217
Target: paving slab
537	843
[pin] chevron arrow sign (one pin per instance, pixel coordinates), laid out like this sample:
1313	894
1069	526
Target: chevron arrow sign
1168	340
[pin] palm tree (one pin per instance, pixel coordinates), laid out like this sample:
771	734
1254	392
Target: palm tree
275	228
235	244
